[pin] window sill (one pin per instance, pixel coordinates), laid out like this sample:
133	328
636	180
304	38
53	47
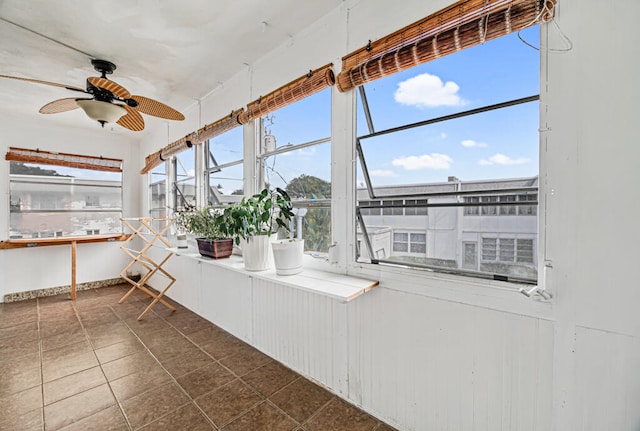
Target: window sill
343	288
476	292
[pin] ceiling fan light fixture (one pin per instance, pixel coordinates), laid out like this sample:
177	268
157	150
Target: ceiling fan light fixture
102	112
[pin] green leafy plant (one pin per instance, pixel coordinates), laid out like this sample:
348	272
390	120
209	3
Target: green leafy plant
207	222
261	214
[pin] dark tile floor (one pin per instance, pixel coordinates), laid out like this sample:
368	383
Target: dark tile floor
91	365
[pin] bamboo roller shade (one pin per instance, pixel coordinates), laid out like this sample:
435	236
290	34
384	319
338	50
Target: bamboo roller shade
62	159
462	25
209	131
297	89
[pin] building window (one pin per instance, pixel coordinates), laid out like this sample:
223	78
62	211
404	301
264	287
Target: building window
507	209
410	242
418	243
419	208
507	249
489	248
527	209
53	201
295	155
525	251
401	242
471	210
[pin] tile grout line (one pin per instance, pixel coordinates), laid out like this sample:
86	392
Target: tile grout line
86	334
265	398
173	379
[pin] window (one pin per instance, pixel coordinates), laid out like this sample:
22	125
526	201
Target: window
455	153
419	208
401	241
184	185
158	192
418	243
410	242
525	251
471	210
295	155
489	248
52	201
224	168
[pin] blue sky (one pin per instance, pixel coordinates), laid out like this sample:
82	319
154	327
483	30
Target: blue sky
497	144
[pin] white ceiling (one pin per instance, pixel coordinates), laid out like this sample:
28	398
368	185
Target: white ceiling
172	51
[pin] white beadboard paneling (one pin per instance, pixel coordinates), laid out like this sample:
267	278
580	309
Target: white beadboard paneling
461	367
607	387
301	329
187	288
226	300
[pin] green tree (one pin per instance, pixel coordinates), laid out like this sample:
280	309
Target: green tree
317	222
20	168
309	187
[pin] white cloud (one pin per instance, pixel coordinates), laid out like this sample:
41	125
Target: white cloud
443	135
382	173
435	161
469	143
428	91
501	159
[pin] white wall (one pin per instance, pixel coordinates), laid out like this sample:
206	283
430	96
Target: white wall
54	262
592	191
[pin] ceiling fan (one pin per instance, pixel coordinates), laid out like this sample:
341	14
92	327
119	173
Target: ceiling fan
109	101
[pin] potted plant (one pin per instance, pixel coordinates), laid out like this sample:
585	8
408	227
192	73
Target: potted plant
252	221
207	224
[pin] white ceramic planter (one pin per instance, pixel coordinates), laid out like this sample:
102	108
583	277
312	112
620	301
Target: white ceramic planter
256	253
287	256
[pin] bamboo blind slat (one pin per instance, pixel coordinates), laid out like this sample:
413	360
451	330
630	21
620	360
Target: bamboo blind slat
462	25
297	89
151	161
63	159
209	131
219	127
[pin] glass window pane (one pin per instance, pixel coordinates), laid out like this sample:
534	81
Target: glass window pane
489	248
507	250
525	250
400	247
418	248
226	148
418	237
225	185
401	236
306	120
51	201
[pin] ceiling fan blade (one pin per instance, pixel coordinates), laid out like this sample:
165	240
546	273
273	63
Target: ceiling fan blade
132	120
109	85
157	109
60	105
37	81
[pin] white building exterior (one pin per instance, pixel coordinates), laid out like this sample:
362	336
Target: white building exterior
492	239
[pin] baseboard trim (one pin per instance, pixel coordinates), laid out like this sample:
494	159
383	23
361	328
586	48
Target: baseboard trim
51	291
